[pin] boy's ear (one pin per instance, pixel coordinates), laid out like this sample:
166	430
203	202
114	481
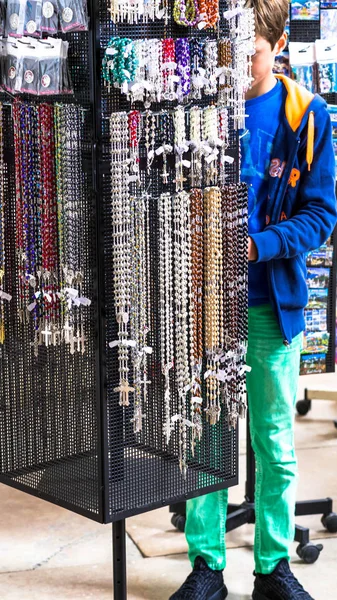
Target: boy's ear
282	43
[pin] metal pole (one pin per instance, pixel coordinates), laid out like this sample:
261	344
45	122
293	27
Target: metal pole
250	480
119	560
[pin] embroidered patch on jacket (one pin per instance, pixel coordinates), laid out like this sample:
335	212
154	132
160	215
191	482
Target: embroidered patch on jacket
294	177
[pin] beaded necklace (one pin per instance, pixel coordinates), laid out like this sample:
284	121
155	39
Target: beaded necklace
209	13
197	256
186	12
182	47
139	320
198	79
195	146
3	295
166	138
48	221
120	214
168	68
166	304
19	238
180	146
120	63
182	293
213	295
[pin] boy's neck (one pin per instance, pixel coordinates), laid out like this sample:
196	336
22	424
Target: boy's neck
262	87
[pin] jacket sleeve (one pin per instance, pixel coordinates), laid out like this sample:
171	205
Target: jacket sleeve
316	213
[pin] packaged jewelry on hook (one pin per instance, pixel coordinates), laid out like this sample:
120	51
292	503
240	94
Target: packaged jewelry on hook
15	17
73	15
33	17
49	16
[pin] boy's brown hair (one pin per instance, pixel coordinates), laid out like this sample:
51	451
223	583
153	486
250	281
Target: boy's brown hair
270	18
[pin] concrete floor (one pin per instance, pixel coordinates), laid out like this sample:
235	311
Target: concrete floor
47	553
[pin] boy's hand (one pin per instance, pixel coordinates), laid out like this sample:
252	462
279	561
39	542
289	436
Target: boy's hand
252	250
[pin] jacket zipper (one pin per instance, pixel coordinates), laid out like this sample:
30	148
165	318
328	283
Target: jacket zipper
271	269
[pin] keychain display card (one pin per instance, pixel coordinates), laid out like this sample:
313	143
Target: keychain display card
318	298
326	57
321	257
316	319
333	115
318	278
313	363
302	60
282	65
305	10
328	4
315	342
328	24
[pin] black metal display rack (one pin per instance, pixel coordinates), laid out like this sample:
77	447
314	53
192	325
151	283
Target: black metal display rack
63	435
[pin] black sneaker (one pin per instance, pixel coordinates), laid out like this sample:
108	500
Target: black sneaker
281	584
202	584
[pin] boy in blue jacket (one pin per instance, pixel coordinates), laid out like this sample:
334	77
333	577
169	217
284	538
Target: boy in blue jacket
288	160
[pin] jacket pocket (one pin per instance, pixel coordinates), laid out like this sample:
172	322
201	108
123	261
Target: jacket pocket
290	282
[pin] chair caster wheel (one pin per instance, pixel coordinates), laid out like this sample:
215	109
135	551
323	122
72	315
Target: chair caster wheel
303	407
309	553
178	521
330	522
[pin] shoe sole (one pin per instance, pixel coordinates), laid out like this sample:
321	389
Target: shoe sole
220	594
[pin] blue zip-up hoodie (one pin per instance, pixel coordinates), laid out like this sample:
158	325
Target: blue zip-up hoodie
301	207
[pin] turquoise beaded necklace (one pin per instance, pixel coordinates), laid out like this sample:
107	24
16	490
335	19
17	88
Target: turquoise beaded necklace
120	61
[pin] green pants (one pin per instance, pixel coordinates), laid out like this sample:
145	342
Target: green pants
272	388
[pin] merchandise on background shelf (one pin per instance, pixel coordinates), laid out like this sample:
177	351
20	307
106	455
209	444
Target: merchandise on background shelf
305	10
282	64
2	17
313	363
302	60
315	319
333	114
328	4
321	257
326	57
318	298
36	67
33	17
318	278
315	342
328	24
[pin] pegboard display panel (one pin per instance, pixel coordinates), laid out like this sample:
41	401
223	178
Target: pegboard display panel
143	471
304	31
48	404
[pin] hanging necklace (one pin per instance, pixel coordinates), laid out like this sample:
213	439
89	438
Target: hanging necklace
3	295
196	329
139	321
213	308
166	304
186	12
120	214
182	294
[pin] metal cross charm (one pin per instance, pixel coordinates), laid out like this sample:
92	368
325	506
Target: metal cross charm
124	390
213	414
47	334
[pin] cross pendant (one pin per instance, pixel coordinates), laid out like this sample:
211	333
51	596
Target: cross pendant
47	334
213	414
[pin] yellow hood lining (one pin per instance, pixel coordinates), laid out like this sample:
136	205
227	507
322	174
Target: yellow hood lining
297	102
